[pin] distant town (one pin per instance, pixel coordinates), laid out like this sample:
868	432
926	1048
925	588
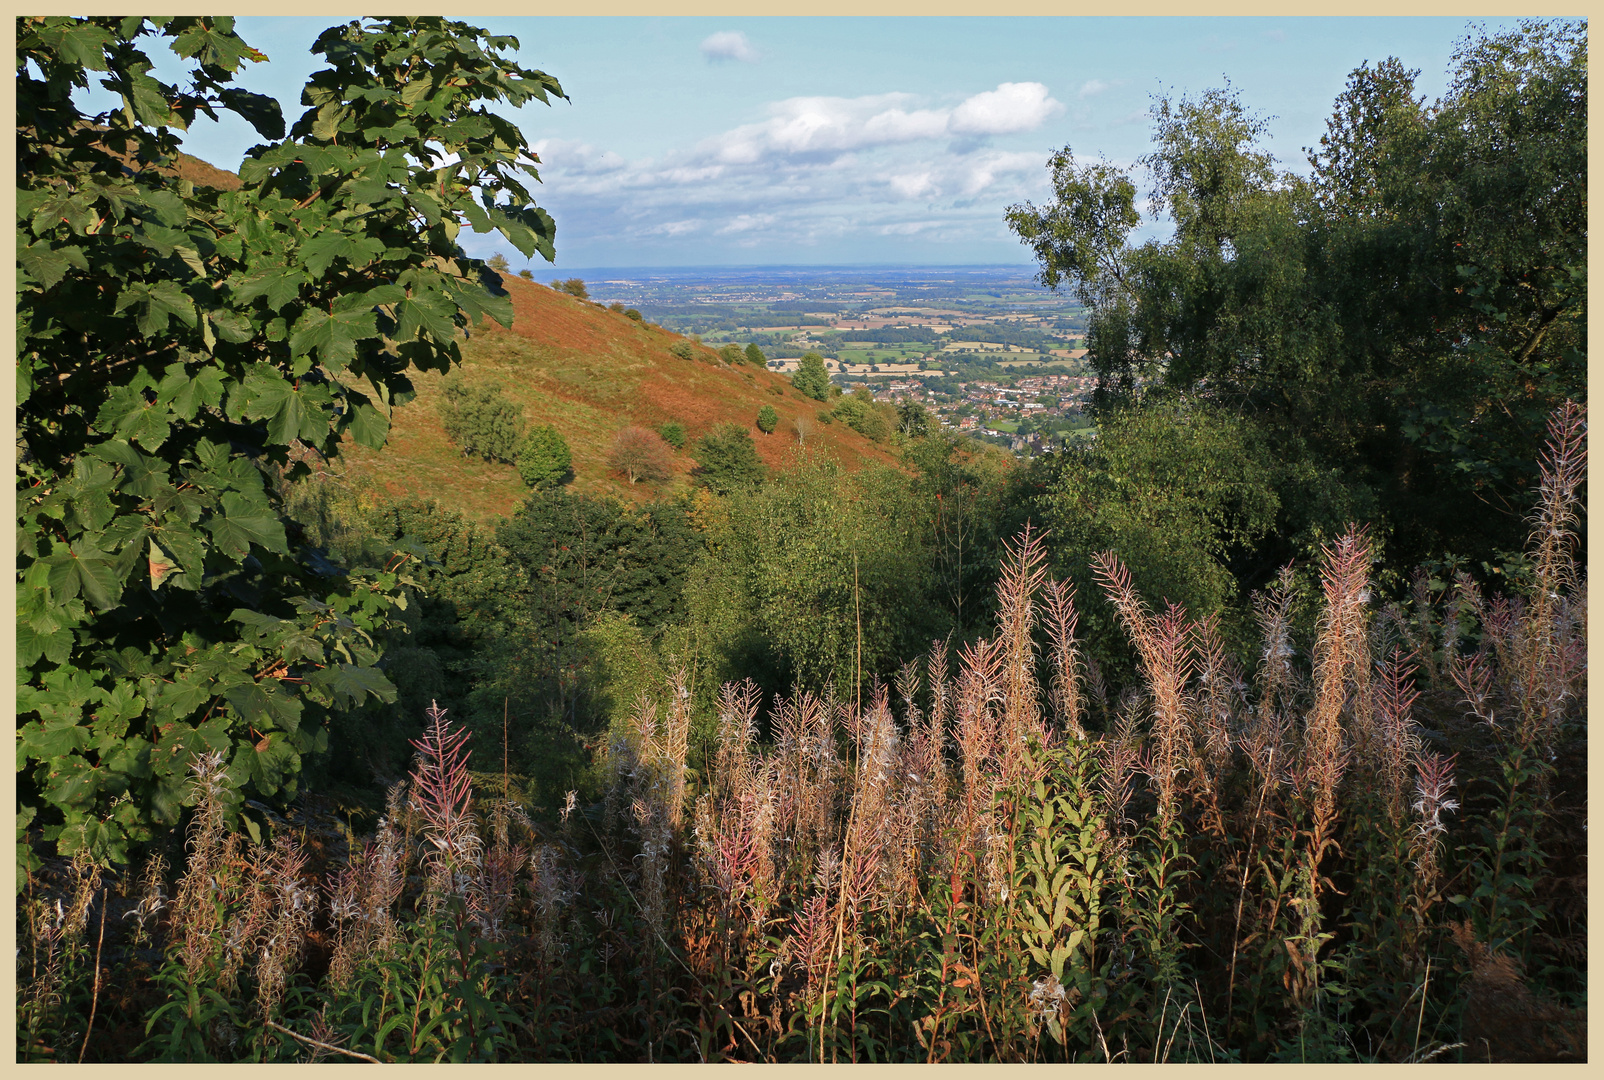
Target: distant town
987	350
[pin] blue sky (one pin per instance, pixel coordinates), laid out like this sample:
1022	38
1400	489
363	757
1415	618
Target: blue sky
752	141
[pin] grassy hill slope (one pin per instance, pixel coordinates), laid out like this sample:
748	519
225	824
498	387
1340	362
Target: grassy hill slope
590	372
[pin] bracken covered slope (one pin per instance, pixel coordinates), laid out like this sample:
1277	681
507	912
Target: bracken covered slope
590	372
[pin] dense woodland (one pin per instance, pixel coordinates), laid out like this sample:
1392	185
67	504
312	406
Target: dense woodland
1253	729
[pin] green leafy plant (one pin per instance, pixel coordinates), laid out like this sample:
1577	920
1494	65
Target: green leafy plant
726	459
767	419
673	433
544	459
481	420
178	343
811	377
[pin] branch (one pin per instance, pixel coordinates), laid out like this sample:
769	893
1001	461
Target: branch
322	1045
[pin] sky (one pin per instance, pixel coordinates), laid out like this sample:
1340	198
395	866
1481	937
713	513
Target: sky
732	141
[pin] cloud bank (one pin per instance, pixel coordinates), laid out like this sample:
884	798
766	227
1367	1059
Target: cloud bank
815	171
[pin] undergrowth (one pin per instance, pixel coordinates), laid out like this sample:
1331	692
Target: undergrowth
1369	848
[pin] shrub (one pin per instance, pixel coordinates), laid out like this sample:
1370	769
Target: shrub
527	274
573	287
480	420
631	313
615	306
767	419
544	459
754	355
731	354
726	459
811	377
673	433
641	454
682	349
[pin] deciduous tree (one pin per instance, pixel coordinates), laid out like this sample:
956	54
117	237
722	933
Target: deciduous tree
180	346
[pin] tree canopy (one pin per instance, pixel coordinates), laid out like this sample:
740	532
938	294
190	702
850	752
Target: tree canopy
180	347
1405	318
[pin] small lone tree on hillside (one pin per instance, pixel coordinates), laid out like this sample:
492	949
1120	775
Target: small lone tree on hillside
767	419
682	349
573	286
498	263
811	378
544	460
731	354
641	454
480	420
726	459
673	433
754	355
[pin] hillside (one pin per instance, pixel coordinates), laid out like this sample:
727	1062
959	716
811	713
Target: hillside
590	372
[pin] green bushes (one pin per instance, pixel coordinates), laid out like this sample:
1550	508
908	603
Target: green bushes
673	433
811	377
682	349
480	420
859	411
767	419
544	459
726	460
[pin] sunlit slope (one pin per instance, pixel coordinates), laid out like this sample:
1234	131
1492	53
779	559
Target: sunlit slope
590	372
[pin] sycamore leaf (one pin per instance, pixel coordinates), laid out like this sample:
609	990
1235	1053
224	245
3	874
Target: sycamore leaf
323	249
157	303
333	336
266	705
243	523
425	312
348	684
369	426
83	568
279	286
48	265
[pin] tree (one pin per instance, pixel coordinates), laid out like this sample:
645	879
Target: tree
913	420
673	433
811	378
682	349
754	355
767	419
480	419
727	460
573	286
498	263
731	354
1386	320
641	454
179	347
544	460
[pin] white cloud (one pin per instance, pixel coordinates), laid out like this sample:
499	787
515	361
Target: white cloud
833	125
674	228
1009	108
814	170
746	223
1092	87
728	45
